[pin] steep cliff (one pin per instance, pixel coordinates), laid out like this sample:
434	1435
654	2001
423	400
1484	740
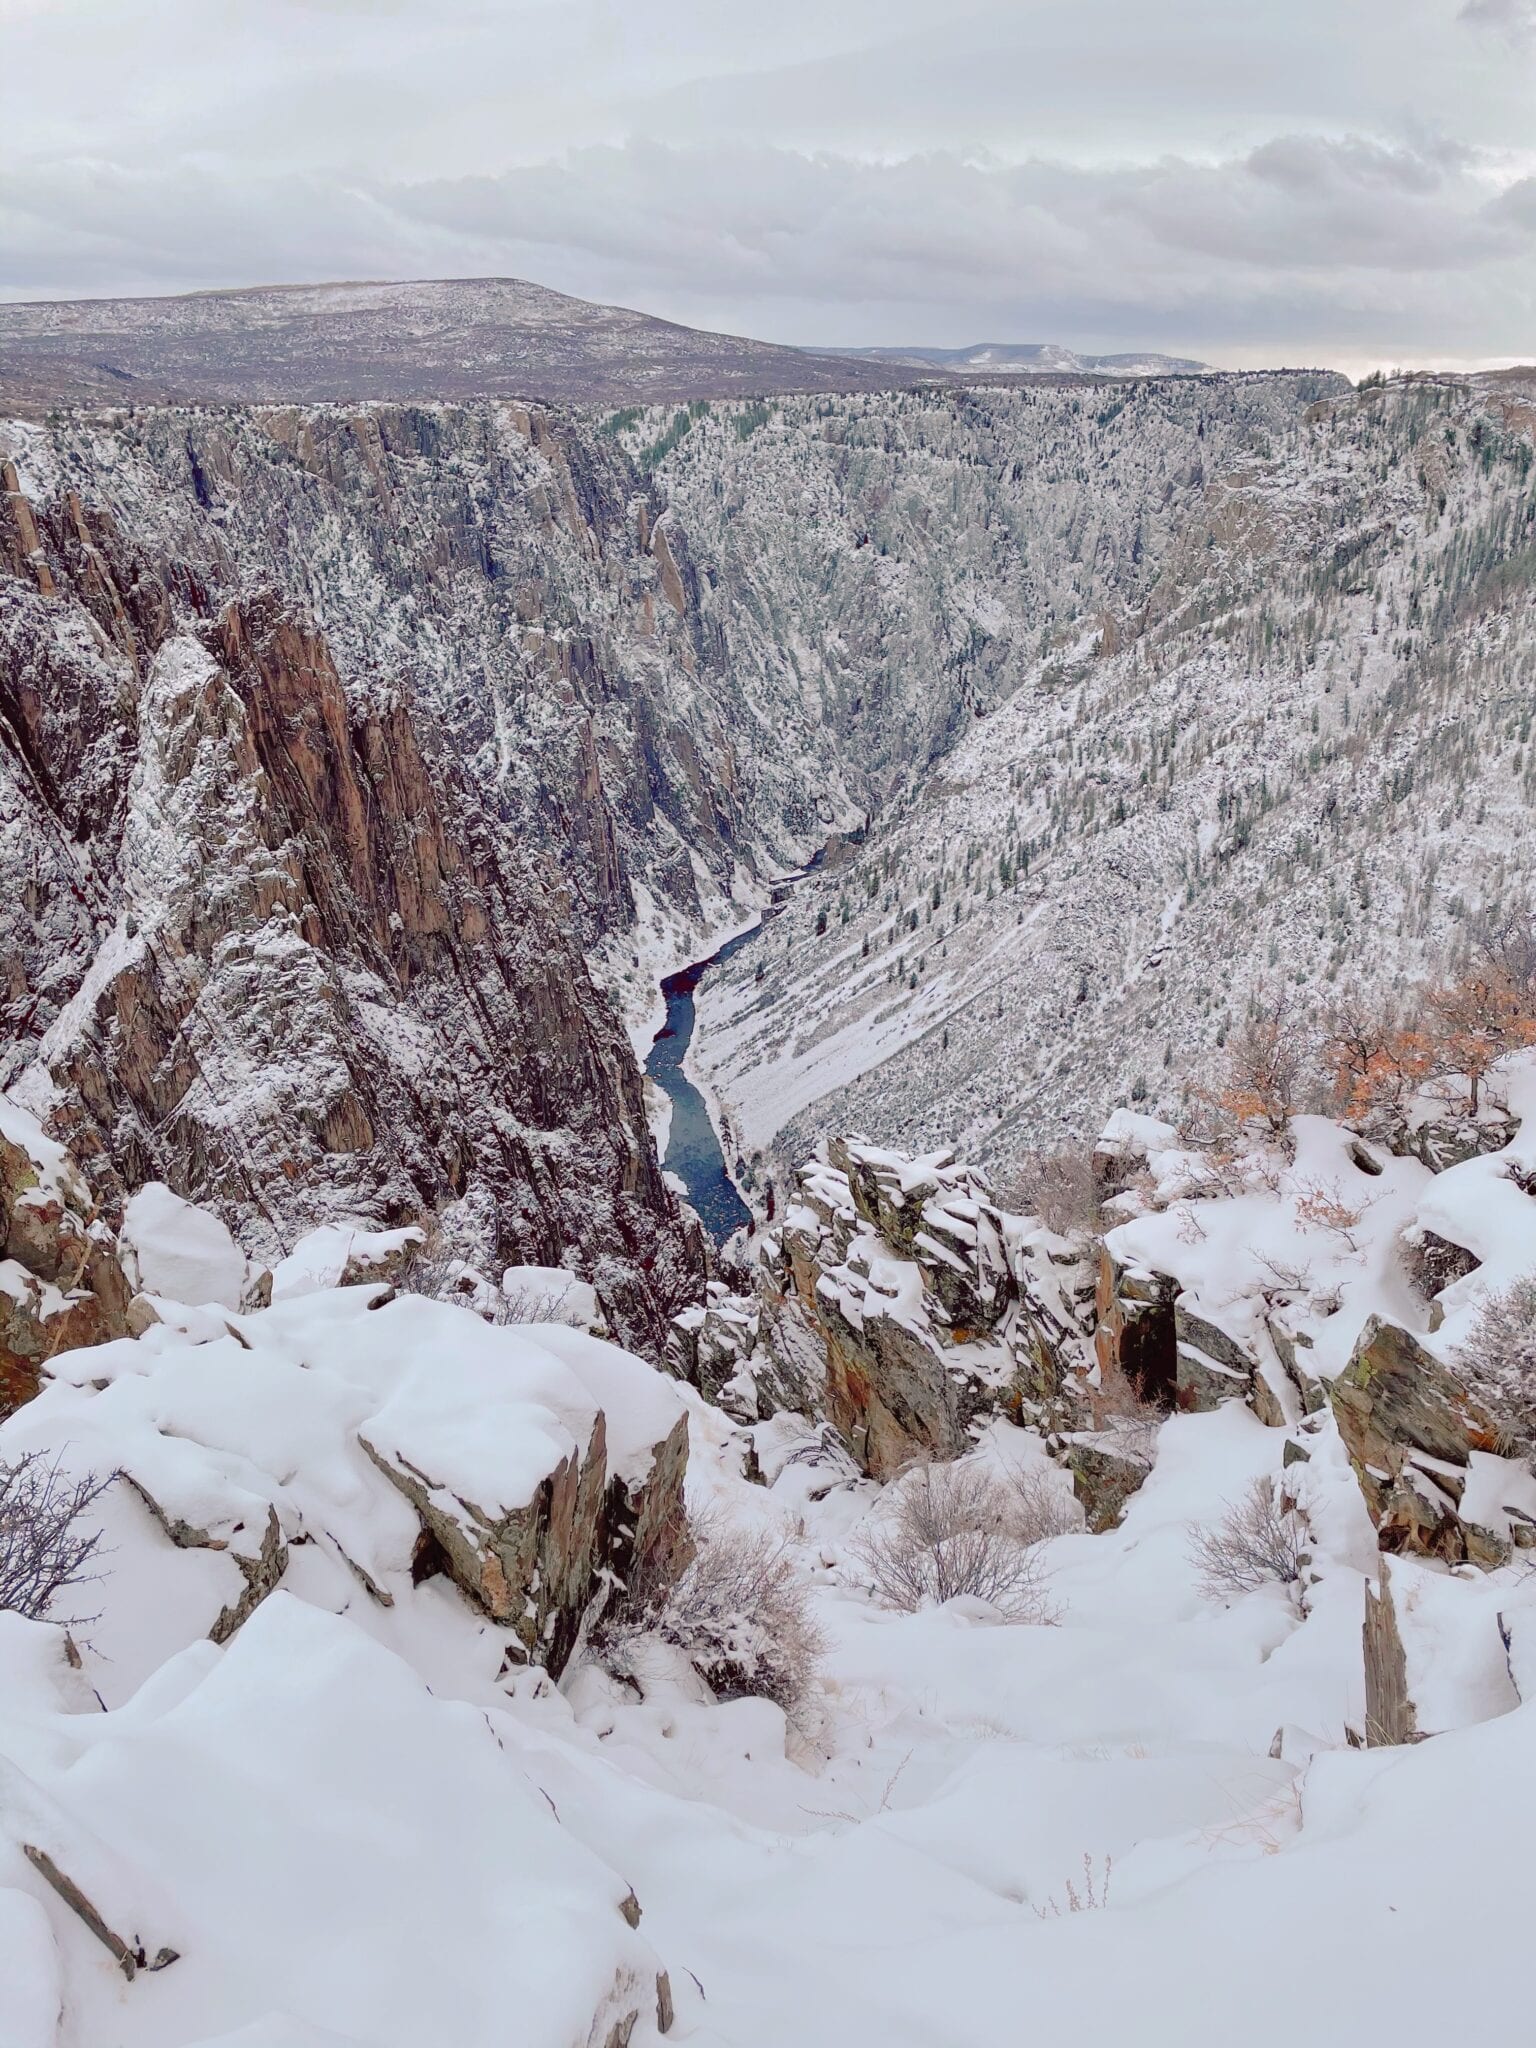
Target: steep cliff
275	942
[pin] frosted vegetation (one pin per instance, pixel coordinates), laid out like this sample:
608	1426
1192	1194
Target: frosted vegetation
1268	725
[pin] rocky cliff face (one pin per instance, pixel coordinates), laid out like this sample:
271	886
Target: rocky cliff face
274	943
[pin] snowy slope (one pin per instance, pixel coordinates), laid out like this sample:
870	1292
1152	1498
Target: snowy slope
1292	745
358	1821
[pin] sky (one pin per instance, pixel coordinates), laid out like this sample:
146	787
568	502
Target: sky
1349	182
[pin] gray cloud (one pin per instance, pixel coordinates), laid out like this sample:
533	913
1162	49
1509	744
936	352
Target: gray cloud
1292	179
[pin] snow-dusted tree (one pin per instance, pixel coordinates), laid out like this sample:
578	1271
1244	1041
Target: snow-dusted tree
1498	1360
47	1546
1376	1061
1474	1022
1268	1063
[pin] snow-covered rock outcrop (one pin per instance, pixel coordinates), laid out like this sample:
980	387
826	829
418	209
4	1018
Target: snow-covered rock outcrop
61	1284
899	1303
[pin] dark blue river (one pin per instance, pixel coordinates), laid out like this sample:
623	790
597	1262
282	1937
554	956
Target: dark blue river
693	1151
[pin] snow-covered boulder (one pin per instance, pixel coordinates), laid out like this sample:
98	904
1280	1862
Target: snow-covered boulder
314	1848
379	1446
185	1253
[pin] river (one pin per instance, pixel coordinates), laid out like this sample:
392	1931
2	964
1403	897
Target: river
693	1151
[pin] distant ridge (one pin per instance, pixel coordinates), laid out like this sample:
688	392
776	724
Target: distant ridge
453	338
1032	358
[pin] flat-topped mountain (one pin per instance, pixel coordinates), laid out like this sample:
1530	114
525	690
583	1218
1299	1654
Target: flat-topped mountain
455	338
496	337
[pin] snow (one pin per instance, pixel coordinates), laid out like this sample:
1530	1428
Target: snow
182	1251
361	1825
322	1256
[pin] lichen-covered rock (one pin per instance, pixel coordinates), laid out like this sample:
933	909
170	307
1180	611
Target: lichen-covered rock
536	1548
1105	1476
61	1285
1411	1429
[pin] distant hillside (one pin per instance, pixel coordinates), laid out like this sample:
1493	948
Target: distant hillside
1031	358
456	339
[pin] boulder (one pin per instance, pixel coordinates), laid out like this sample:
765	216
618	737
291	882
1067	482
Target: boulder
1410	1427
1105	1475
61	1286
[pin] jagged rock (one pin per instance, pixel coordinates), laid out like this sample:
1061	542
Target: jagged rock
536	1569
261	1563
295	924
896	1301
711	1342
1104	1478
1410	1427
61	1285
1212	1365
1136	1334
1389	1710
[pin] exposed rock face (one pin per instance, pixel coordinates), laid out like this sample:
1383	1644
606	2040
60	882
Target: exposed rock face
272	946
900	1304
538	1568
61	1285
1390	1717
1411	1428
1136	1338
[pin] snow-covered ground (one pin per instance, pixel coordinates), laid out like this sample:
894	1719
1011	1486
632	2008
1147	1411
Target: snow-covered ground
358	1821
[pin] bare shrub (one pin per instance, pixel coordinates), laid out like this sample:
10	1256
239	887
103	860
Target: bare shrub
1062	1189
1092	1898
46	1548
1121	1413
739	1611
957	1530
1499	1360
433	1269
1043	1506
1257	1542
1321	1206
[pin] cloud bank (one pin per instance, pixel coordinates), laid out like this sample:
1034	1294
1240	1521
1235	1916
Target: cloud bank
1263	183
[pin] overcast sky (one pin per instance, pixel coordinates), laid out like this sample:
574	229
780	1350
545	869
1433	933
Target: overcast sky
1251	181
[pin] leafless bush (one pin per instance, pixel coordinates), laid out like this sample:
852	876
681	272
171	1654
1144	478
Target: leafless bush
1060	1188
1093	1896
432	1268
1257	1542
739	1611
1321	1206
956	1530
46	1550
1269	1063
1121	1414
1499	1360
1043	1506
